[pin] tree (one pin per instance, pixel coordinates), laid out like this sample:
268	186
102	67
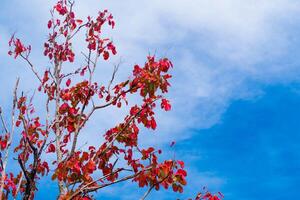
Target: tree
72	97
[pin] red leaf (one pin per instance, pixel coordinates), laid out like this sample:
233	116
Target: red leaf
68	82
63	108
153	124
79	21
51	148
18	123
105	55
181	163
83	71
165	104
181	172
49	24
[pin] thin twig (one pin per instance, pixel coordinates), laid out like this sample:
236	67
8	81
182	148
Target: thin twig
116	68
32	68
93	182
95	188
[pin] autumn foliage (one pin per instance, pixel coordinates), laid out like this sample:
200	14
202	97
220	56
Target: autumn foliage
72	97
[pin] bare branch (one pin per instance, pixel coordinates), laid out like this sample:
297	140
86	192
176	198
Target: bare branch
19	185
79	191
32	67
88	58
11	134
3	121
147	192
92	189
116	68
86	189
47	128
77	30
25	172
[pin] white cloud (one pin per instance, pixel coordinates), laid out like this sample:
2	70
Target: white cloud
216	46
220	50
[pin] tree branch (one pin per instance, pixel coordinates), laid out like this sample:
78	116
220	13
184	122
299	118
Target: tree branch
155	184
32	68
11	134
95	188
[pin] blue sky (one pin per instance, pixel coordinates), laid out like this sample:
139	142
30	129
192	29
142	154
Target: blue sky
235	90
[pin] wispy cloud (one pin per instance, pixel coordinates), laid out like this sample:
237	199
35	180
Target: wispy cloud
222	51
217	47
